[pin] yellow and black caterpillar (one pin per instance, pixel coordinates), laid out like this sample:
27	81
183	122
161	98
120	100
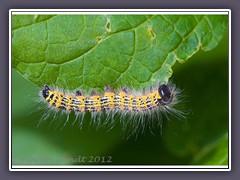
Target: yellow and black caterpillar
110	101
135	110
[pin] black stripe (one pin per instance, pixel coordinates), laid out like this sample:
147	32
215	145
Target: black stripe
51	97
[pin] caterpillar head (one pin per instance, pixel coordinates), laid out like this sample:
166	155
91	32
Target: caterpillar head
45	91
166	94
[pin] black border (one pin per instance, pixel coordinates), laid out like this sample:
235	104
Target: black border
134	169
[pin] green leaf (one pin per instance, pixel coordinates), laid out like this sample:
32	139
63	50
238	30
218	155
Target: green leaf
215	153
40	153
92	51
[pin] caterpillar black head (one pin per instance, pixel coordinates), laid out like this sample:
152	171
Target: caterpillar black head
166	94
45	91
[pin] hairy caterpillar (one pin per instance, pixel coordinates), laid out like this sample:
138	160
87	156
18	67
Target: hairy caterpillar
140	108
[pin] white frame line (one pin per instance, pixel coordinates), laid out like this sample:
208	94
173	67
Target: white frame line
117	167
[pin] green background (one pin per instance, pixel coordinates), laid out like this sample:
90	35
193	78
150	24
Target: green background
201	138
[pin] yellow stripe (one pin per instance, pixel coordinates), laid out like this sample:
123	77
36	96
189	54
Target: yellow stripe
110	96
82	100
96	102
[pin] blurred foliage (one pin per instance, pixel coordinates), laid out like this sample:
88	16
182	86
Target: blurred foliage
201	138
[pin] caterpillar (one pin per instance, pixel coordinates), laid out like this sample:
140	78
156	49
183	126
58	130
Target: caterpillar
139	107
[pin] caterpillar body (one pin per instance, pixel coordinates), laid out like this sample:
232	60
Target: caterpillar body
137	106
